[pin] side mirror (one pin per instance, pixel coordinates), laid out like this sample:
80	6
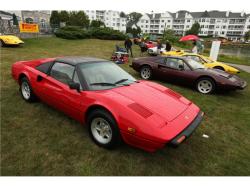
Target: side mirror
181	67
74	86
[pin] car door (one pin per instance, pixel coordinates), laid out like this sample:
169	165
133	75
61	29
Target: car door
171	70
56	92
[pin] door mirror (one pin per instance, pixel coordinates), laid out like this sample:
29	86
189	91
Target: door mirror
74	86
181	67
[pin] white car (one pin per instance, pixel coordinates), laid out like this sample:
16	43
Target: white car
153	51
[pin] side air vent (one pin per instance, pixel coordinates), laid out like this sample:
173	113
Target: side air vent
140	110
172	93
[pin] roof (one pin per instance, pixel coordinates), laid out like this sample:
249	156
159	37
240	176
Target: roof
73	60
6	13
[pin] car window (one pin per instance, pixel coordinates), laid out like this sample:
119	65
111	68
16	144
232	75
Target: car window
62	72
196	58
76	79
174	62
44	67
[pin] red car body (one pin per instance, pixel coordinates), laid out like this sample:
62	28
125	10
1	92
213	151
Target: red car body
149	115
150	44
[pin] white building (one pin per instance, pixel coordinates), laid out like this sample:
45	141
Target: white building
155	23
111	19
213	23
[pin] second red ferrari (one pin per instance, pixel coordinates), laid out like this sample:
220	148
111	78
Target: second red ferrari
113	104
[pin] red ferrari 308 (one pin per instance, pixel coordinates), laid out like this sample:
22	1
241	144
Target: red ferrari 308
114	105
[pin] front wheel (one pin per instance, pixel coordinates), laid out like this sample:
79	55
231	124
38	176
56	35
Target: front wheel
146	72
26	90
103	129
205	85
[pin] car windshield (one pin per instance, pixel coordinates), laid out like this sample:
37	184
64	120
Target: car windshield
208	60
194	64
105	75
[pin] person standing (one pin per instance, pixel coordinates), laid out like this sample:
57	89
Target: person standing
159	46
128	45
194	49
168	46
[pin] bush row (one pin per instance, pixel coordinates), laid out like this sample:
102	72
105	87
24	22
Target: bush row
70	32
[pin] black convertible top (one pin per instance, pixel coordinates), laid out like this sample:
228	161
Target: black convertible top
74	60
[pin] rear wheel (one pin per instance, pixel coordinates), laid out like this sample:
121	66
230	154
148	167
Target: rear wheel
205	85
26	90
146	72
103	129
1	43
219	67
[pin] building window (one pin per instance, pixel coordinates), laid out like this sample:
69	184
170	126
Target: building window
43	23
162	21
29	20
146	21
113	24
188	20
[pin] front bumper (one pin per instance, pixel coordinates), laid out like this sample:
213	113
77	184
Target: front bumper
188	131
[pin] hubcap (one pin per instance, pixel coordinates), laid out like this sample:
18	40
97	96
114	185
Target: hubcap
145	73
101	130
25	90
205	86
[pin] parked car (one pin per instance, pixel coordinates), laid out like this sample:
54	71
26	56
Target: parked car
113	104
187	71
206	61
10	40
153	51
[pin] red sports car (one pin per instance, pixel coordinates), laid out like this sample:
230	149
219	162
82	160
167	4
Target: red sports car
113	104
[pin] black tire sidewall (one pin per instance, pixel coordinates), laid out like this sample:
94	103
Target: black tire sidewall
208	79
116	138
32	97
143	67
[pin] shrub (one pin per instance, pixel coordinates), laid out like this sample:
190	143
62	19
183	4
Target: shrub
107	34
72	32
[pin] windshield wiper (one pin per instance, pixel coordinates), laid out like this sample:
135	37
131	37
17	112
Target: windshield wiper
102	84
120	81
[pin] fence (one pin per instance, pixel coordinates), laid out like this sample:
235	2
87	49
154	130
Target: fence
6	27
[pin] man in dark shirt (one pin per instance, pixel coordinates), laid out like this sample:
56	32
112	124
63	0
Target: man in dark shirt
128	46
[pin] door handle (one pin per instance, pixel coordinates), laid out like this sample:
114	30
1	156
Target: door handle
39	78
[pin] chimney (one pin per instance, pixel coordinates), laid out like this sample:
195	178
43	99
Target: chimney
176	15
242	13
227	13
186	14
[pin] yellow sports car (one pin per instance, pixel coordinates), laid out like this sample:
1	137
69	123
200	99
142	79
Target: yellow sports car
9	40
206	61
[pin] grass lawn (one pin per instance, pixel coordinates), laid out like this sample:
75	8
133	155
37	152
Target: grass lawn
38	140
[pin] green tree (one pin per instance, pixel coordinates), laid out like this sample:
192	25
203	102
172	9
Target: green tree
247	36
195	29
64	16
54	19
133	18
170	36
123	15
134	31
78	18
15	21
96	24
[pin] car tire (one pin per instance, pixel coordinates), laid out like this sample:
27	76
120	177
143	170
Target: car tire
26	90
146	72
1	43
219	67
103	129
205	85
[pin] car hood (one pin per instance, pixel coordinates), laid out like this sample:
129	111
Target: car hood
216	72
154	98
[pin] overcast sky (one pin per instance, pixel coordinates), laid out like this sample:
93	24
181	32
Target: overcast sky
130	5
